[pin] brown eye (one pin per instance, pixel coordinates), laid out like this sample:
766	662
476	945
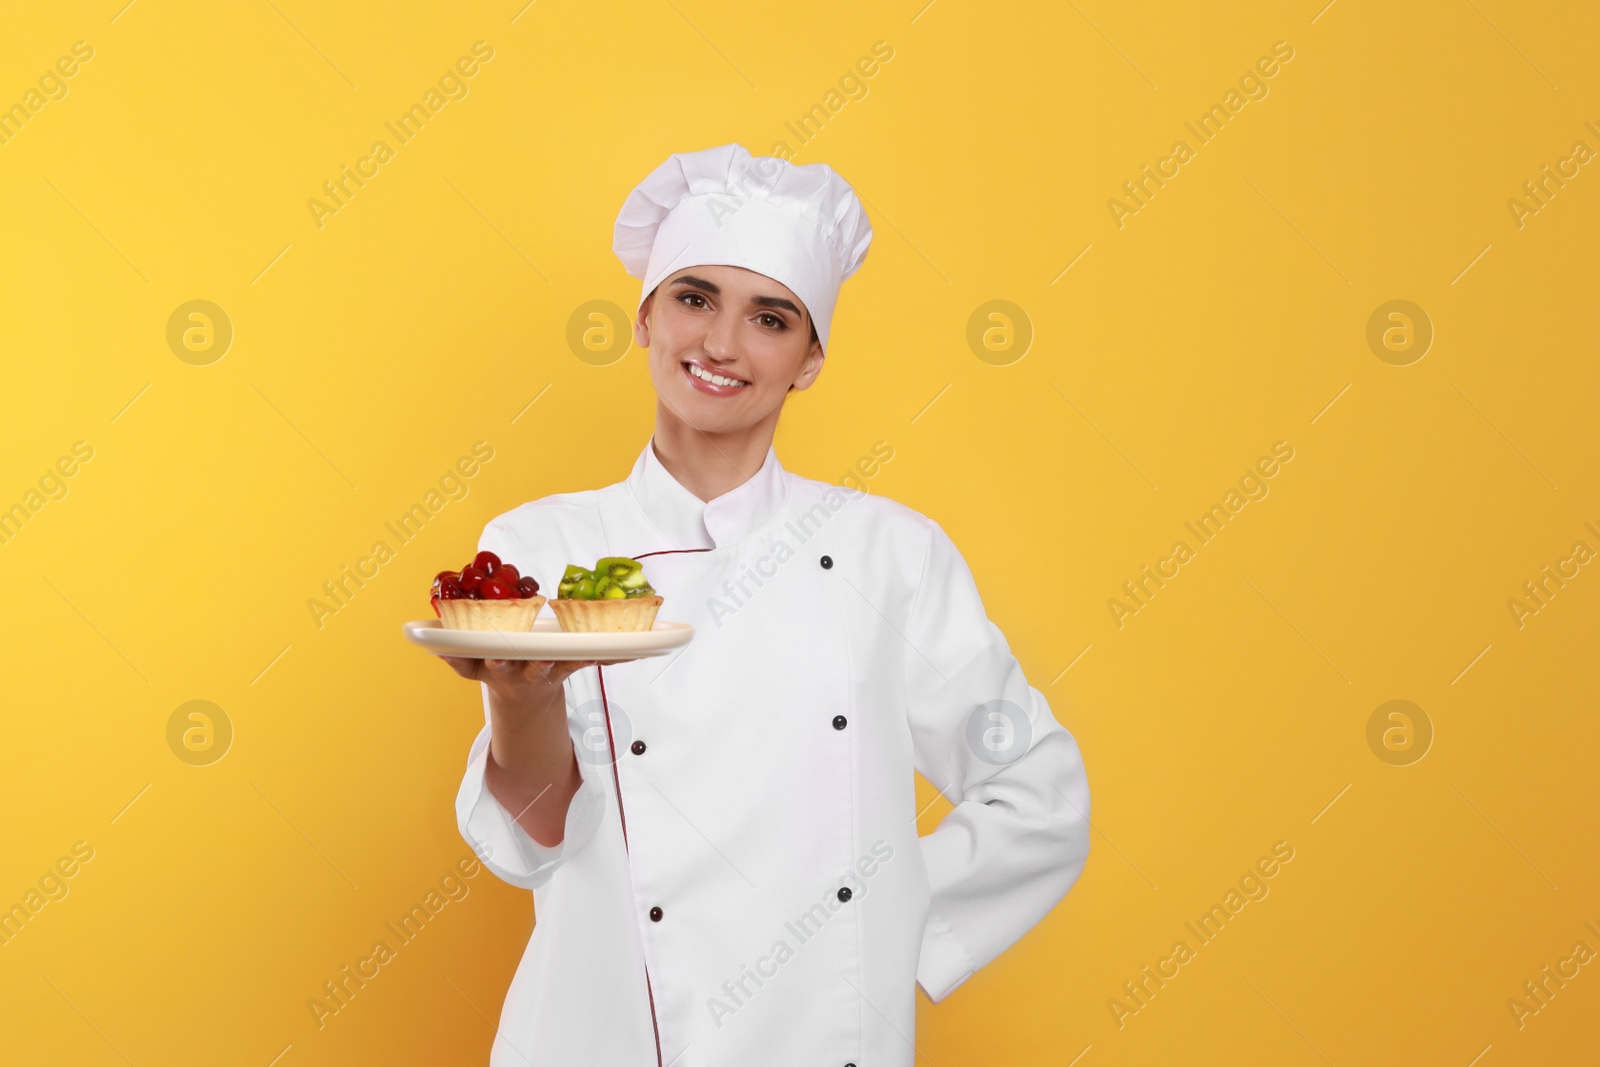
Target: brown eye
776	321
691	296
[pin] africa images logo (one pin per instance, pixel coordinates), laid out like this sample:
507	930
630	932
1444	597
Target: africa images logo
736	592
807	925
453	85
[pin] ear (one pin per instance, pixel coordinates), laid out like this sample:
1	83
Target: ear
810	367
641	324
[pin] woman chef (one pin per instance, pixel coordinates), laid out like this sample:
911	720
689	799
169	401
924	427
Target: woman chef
722	843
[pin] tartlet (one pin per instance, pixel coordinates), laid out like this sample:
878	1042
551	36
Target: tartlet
612	597
486	594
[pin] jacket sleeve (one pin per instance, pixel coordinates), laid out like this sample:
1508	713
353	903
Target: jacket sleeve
492	831
496	836
1018	837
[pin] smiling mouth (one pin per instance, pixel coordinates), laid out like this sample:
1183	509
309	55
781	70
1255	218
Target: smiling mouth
714	379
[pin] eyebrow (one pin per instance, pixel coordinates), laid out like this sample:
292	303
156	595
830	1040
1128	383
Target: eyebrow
759	301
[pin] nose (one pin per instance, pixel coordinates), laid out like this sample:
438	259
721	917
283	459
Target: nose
719	341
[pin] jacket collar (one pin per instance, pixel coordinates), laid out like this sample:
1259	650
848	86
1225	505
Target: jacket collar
690	522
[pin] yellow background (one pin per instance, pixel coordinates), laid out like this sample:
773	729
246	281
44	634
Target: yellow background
1228	314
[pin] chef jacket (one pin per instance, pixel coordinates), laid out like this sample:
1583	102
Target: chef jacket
740	879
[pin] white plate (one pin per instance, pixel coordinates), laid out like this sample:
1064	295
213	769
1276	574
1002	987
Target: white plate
547	641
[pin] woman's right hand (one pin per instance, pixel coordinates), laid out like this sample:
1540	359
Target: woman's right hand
522	685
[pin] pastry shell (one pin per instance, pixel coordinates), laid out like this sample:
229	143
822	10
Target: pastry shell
502	616
624	615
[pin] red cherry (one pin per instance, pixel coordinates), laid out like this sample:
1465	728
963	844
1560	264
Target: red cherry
486	562
450	588
445	574
527	587
495	589
507	573
471	578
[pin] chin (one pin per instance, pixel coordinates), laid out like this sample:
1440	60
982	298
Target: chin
708	415
713	421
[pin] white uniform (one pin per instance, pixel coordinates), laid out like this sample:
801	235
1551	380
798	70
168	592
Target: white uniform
743	883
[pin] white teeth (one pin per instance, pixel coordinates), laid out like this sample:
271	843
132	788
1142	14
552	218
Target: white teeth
715	379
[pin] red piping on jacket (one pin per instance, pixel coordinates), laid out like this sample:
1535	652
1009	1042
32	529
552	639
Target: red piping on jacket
611	746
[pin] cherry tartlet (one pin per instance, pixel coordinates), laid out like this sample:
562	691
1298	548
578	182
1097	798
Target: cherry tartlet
486	594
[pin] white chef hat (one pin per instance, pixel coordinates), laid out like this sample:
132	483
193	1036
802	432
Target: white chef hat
797	224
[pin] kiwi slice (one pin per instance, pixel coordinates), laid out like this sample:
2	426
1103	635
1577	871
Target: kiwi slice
613	578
